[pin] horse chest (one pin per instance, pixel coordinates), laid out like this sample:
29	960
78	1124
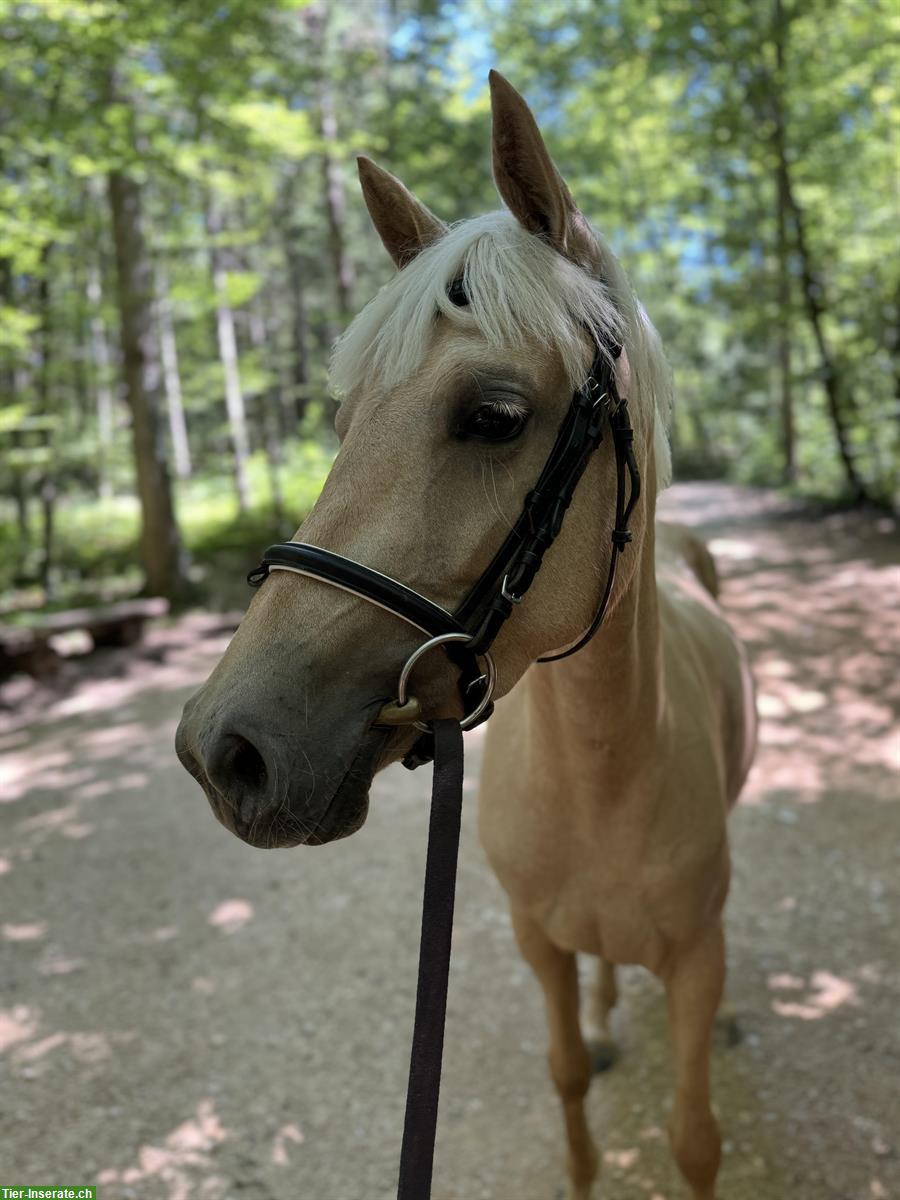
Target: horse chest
578	870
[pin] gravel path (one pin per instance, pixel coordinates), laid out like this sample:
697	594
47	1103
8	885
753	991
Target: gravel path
183	1017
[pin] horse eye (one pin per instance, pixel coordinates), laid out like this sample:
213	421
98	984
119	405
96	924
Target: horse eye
495	423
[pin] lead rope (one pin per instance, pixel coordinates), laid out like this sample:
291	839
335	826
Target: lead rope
423	1089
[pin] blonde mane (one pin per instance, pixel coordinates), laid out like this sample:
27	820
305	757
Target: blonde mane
519	288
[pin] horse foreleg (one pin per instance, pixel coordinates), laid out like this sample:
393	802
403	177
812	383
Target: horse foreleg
604	996
568	1057
693	990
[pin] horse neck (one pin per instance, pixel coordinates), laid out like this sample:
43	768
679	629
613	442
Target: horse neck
610	693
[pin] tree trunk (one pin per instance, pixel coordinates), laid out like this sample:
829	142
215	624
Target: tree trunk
270	403
832	377
317	23
181	450
80	350
8	391
162	553
102	376
293	236
291	395
779	28
234	397
335	204
48	484
893	345
48	512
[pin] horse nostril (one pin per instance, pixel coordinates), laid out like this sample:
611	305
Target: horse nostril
238	770
247	765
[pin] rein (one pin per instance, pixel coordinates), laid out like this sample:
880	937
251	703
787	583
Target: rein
467	635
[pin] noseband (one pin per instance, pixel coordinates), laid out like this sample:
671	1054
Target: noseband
468	632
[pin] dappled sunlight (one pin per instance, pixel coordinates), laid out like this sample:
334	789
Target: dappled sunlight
165	933
790	699
66	768
52	819
731	548
788	775
827	992
171	657
41	1048
29	932
97	795
18	773
133	780
11	741
822	628
29	1047
623	1159
182	1163
109	742
17	1025
76	832
55	961
96	789
288	1135
231	915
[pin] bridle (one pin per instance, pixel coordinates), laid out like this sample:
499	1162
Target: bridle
467	635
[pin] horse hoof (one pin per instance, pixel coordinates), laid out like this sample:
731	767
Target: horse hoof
604	1054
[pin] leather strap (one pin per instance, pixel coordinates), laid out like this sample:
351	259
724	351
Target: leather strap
420	1123
519	556
351	576
623	439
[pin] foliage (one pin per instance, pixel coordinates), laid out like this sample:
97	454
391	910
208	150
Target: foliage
671	120
97	539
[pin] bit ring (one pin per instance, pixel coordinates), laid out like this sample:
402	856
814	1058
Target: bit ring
490	678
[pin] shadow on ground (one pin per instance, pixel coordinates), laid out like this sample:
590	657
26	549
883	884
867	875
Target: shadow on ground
182	1016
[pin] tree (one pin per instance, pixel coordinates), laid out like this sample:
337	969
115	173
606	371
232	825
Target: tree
162	553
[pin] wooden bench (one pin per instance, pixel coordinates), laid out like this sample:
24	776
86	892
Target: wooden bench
28	647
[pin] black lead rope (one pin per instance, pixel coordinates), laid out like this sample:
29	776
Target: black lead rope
420	1123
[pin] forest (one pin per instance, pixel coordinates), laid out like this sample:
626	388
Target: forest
182	238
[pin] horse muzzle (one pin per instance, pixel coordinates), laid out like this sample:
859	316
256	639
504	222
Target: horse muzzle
277	791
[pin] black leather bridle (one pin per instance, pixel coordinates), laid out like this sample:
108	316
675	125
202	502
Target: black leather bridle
467	635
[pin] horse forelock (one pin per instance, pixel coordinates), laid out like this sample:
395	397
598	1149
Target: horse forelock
519	289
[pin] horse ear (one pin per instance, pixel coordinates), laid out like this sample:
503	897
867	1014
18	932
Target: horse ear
527	180
403	224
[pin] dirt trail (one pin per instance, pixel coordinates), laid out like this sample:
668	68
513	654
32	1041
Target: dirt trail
183	1017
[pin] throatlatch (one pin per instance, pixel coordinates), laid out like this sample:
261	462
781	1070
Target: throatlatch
466	636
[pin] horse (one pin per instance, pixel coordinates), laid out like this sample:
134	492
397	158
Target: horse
608	775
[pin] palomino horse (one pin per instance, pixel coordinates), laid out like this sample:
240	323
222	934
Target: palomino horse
608	776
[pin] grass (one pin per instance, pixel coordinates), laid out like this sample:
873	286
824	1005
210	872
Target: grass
95	555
